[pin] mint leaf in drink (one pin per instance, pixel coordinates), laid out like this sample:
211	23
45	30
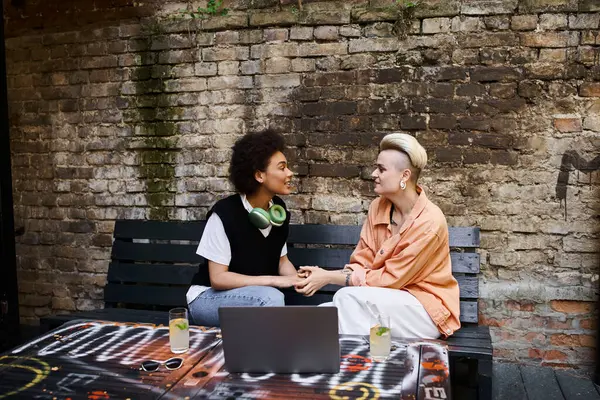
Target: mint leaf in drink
382	330
182	325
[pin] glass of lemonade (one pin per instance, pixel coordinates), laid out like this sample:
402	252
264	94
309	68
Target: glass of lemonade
179	330
380	338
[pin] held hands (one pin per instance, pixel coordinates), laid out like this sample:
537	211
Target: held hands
286	281
314	278
303	273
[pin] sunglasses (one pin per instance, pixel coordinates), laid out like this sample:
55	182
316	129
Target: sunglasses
170	364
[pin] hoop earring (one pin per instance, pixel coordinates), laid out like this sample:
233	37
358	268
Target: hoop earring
402	185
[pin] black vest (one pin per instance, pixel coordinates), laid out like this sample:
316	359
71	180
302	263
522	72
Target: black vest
251	252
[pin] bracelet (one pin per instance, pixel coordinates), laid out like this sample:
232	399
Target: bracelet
348	279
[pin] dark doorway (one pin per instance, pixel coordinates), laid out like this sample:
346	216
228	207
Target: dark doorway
9	302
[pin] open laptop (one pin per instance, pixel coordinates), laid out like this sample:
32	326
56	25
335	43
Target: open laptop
292	339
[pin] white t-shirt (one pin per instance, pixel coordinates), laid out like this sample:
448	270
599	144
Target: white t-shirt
214	245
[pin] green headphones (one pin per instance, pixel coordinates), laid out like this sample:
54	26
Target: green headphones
262	219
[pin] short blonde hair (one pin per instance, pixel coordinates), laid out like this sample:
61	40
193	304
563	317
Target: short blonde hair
408	145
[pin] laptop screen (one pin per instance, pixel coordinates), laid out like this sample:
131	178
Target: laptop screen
292	339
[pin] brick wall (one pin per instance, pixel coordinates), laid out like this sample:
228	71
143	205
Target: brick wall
134	115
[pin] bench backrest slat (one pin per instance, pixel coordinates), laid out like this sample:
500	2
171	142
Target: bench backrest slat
127	253
165	296
468	285
160	230
466	237
468	311
163	274
326	258
324	234
156	252
465	263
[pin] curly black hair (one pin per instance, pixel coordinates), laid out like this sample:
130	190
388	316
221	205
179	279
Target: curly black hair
252	153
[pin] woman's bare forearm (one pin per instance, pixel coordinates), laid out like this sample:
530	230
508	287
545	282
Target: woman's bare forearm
341	277
231	280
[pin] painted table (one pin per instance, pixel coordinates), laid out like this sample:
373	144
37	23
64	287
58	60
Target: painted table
101	360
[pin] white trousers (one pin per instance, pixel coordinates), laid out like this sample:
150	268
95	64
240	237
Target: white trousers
408	318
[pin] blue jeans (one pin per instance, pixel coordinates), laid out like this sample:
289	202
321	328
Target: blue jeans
204	309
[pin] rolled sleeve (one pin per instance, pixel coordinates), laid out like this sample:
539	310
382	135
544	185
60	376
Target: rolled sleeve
284	250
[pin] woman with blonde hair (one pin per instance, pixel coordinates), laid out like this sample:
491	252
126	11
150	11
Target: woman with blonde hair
402	261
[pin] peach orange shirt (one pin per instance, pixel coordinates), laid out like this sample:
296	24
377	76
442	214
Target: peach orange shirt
416	259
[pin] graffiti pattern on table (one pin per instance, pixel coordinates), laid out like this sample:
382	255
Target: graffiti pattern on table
434	373
36	370
102	360
117	350
359	377
122	342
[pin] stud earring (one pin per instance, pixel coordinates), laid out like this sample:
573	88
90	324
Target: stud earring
402	185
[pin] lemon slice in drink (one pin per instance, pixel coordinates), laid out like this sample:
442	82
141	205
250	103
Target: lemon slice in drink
179	323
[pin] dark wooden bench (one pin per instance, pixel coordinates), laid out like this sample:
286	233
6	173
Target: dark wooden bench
153	262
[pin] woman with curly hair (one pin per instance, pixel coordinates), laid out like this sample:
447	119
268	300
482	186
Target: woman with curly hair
244	241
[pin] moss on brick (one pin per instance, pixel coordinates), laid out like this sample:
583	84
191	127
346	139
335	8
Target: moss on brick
157	157
158	154
156	171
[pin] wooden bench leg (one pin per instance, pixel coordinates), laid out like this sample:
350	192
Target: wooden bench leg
463	376
484	372
45	326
